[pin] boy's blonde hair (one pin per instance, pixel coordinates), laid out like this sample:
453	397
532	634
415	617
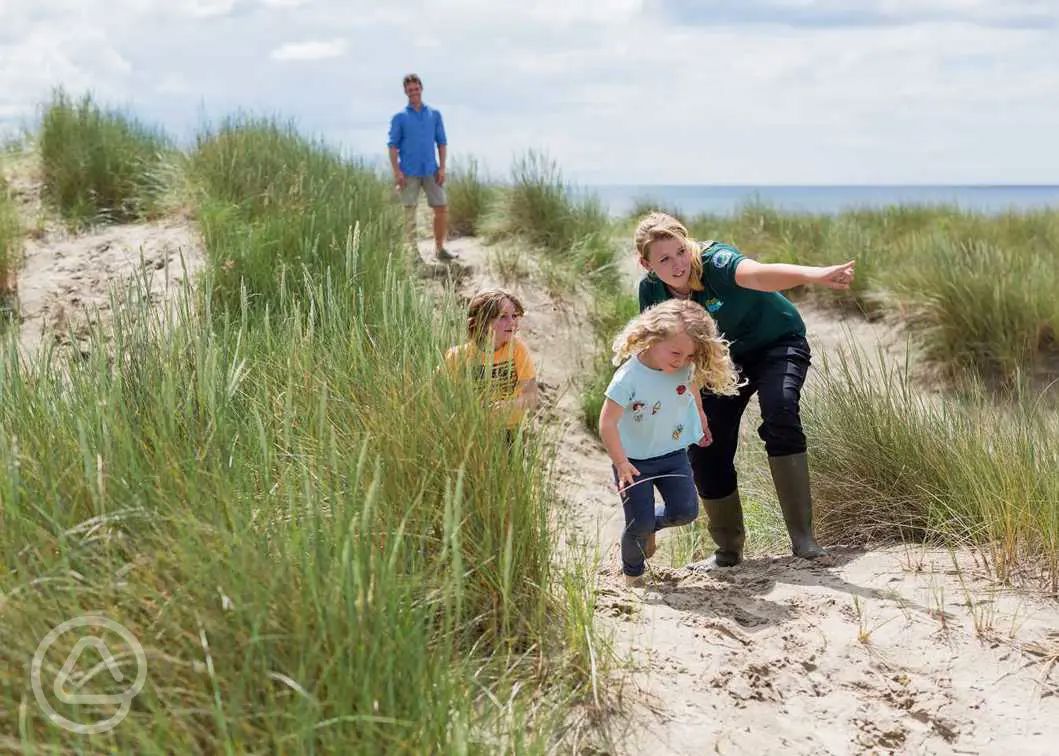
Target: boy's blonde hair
659	225
484	308
712	366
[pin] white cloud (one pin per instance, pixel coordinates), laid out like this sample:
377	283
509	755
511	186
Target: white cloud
621	91
205	8
174	84
311	50
80	59
831	13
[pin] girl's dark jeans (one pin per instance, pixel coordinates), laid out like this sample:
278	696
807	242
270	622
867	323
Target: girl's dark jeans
680	504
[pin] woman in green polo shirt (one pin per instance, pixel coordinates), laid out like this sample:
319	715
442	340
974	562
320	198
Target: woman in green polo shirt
767	343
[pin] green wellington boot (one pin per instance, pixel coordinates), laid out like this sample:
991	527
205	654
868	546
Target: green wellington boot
790	473
725	517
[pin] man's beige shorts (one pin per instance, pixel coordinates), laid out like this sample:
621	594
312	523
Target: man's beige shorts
410	193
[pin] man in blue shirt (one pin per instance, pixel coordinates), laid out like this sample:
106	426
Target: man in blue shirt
413	133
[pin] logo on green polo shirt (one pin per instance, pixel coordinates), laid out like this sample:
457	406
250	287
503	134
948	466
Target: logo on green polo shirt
713	304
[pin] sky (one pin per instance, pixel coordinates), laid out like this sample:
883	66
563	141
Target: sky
615	91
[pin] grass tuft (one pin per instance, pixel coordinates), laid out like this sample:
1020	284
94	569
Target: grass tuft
889	462
99	165
469	198
10	251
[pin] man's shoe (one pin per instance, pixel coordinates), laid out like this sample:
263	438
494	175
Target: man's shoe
444	255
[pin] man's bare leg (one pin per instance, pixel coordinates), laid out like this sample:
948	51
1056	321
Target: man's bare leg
441	223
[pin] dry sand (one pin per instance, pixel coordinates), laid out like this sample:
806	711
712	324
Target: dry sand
68	281
893	650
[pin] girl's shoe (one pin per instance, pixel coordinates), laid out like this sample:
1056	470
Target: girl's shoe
635	581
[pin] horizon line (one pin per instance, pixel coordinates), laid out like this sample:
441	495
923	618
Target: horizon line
991	185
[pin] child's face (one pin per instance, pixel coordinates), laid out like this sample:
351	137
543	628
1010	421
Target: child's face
671	354
506	325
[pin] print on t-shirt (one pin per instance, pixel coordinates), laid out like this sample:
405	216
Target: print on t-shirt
497	374
501	381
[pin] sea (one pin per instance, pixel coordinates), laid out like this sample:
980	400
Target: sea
693	200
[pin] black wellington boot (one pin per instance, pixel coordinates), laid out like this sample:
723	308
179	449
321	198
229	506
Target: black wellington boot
790	473
725	517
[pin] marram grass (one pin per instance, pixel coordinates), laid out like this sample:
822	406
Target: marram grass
100	165
10	251
322	542
891	462
542	211
977	289
469	198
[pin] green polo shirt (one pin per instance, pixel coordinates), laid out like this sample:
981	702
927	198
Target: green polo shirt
749	319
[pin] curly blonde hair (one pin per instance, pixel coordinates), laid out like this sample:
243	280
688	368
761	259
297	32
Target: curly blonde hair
659	225
712	366
484	308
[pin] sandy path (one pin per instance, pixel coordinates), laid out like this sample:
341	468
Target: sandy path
884	651
68	282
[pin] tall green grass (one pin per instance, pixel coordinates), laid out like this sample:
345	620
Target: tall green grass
322	542
572	230
980	307
611	310
278	209
978	289
469	196
99	165
889	462
10	246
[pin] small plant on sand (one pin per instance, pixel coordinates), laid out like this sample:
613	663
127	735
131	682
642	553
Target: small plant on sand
863	631
506	260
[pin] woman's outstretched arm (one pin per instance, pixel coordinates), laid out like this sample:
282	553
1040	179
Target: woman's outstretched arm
750	274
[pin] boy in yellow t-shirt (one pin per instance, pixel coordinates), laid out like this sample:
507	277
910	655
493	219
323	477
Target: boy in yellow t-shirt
498	360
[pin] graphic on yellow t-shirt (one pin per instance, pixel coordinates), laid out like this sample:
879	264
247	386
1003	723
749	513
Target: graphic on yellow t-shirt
496	374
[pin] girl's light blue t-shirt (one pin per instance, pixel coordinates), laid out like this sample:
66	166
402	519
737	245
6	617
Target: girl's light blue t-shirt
660	412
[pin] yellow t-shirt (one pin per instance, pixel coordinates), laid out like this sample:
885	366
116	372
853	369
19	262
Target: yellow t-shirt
496	374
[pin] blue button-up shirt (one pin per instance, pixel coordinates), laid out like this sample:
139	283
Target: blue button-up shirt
414	133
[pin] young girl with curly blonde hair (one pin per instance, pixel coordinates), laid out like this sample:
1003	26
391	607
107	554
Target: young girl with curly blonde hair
653	412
